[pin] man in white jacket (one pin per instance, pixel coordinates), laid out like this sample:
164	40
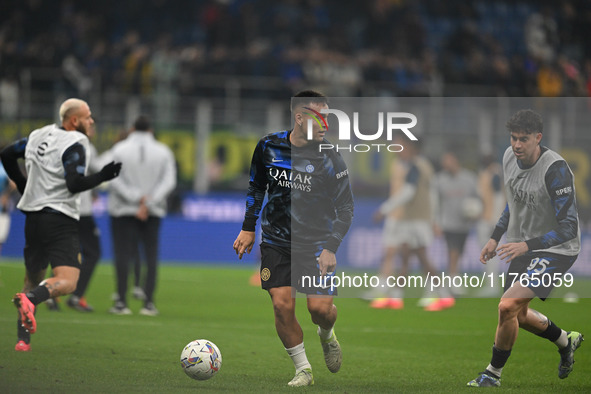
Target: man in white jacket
137	203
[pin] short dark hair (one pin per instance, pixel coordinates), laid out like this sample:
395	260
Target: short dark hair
525	121
307	97
142	123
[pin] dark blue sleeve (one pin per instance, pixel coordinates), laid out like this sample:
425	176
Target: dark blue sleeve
502	224
9	157
74	161
560	186
412	177
497	183
257	188
343	203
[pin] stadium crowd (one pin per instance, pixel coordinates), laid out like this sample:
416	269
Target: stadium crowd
378	47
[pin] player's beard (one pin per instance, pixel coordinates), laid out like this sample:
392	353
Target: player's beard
81	128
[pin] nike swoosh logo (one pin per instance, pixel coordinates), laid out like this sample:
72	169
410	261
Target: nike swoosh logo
274	160
520	176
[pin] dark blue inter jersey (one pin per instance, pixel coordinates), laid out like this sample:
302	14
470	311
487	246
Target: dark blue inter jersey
309	204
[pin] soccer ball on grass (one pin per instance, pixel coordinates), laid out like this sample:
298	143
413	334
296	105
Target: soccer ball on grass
201	359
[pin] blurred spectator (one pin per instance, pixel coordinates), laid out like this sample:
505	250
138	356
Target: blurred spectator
165	67
75	74
573	81
465	39
374	47
138	71
550	83
191	64
541	35
9	98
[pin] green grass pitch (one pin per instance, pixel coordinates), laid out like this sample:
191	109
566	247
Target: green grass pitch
384	351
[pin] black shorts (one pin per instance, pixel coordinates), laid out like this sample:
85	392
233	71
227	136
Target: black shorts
298	269
539	271
455	240
51	238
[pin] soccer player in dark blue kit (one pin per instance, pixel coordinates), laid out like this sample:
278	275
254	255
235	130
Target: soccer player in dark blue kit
543	241
308	212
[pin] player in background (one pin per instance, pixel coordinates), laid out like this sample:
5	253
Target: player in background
381	297
456	185
138	291
413	230
490	191
6	188
56	158
90	245
138	288
543	238
137	204
308	212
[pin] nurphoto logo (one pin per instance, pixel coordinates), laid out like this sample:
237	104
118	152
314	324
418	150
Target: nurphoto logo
394	122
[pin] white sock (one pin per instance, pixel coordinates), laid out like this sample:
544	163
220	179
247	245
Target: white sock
429	294
324	334
496	371
380	290
562	340
396	292
444	292
298	356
